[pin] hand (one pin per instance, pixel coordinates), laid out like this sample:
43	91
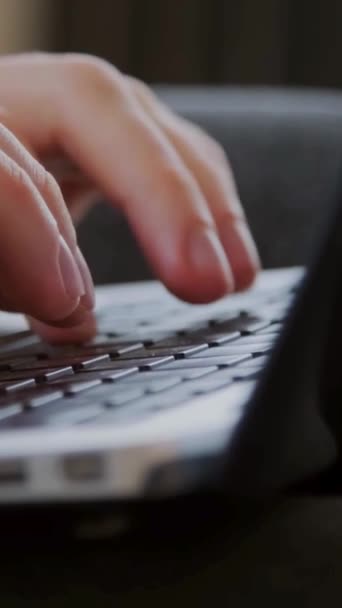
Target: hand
72	126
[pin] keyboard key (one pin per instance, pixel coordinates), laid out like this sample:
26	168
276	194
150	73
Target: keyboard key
18	341
43	399
254	327
246	374
180	342
210	338
233	349
122	397
11	376
107	344
76	361
273	329
75	415
52	374
220	339
223	378
9	363
256	339
179	352
143	363
201	387
159	374
17	385
90	362
37	374
9	411
78	387
254	363
156	386
119	374
147	337
244	323
105	391
196	362
105	376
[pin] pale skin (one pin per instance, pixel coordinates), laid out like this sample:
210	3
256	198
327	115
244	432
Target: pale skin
73	126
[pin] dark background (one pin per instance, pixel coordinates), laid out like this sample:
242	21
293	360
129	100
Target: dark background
278	42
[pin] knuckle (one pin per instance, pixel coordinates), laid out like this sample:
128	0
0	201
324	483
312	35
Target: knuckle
18	178
46	183
175	179
220	171
140	88
52	193
38	175
216	151
213	149
94	74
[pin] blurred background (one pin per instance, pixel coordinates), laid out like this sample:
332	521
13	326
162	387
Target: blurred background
284	140
287	42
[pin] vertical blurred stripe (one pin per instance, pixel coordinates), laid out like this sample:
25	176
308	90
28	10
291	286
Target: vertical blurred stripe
26	25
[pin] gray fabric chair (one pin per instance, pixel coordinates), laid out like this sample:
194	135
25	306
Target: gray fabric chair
286	151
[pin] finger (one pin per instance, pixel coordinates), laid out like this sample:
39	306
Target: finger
129	157
50	192
38	272
78	191
208	163
82	329
79	326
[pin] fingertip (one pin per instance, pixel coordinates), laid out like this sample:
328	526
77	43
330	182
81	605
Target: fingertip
88	299
200	272
241	251
78	328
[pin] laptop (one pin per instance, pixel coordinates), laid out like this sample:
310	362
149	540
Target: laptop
171	399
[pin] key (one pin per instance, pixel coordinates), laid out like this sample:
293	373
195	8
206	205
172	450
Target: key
74	415
9	411
246	374
111	348
273	329
157	386
179	352
12	376
78	387
39	375
106	376
220	339
43	399
76	361
147	337
256	339
179	375
103	392
18	341
219	362
222	351
17	385
144	363
254	363
18	362
179	342
97	361
123	397
53	374
209	385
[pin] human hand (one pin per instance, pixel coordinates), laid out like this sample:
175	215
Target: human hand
73	126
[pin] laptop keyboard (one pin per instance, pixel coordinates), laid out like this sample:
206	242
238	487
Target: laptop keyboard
145	358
